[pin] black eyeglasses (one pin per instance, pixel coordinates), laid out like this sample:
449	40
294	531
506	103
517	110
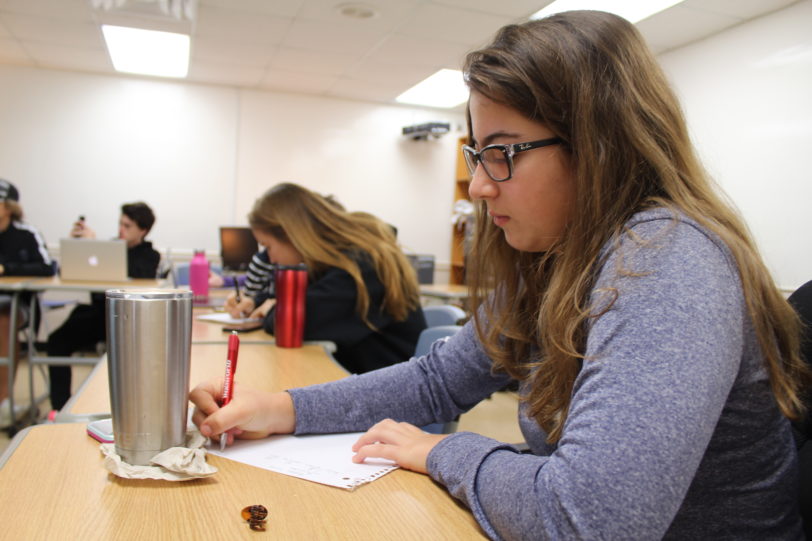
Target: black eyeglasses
498	159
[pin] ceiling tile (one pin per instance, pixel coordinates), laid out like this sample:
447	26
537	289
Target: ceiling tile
277	8
414	51
65	57
75	10
740	9
292	81
241	26
679	26
226	74
12	53
453	24
320	36
389	13
326	63
57	31
400	75
519	9
223	51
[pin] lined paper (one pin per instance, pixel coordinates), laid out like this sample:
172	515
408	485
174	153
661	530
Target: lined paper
322	458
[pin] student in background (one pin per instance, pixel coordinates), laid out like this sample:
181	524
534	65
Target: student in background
361	294
657	361
22	253
85	326
259	280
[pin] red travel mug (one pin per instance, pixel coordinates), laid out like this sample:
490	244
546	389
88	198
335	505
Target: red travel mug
289	316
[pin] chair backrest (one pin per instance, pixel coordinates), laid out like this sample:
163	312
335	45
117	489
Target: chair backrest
430	335
801	301
444	314
180	272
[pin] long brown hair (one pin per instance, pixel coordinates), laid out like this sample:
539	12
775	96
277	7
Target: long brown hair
590	78
327	236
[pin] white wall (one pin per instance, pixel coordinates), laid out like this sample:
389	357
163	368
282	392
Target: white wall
747	94
82	144
200	155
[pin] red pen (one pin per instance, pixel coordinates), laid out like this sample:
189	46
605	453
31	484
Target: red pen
228	382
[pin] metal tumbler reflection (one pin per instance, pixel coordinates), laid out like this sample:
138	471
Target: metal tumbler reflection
149	337
289	316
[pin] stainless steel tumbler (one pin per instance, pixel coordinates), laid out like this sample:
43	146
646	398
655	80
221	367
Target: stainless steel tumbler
149	337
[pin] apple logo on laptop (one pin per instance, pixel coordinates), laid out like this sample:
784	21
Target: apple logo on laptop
93	261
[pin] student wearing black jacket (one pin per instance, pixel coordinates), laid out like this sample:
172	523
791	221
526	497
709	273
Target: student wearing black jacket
362	293
22	253
85	326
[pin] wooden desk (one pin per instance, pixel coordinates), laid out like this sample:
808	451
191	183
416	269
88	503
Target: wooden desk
57	283
262	366
55	487
212	332
54	484
454	292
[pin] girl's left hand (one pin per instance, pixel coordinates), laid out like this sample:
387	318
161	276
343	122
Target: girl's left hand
403	443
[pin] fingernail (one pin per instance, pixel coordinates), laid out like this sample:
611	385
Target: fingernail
205	430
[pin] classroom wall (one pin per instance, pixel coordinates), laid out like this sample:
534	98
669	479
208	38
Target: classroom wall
200	155
81	144
747	94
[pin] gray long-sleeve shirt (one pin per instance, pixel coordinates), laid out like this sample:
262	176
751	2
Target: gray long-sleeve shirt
672	432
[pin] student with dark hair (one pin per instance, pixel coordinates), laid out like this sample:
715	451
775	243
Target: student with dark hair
657	361
85	325
22	253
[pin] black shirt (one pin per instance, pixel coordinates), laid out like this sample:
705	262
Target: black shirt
23	252
330	315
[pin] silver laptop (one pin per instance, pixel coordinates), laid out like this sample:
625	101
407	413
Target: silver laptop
93	260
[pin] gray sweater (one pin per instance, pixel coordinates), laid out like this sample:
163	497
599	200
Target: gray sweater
673	431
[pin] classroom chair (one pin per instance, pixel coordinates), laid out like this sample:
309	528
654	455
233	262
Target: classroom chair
801	301
445	314
180	273
427	337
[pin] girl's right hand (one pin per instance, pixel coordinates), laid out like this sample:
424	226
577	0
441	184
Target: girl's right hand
251	414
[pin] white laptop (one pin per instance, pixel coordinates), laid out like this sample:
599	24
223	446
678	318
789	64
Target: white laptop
93	260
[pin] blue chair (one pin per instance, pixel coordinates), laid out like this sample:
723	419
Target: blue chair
180	272
445	314
424	342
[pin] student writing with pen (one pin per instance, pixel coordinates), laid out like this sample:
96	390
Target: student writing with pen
362	293
657	362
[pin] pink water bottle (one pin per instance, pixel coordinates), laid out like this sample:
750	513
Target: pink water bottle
289	317
199	276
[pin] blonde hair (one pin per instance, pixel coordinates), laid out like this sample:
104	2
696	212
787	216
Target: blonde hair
589	77
327	236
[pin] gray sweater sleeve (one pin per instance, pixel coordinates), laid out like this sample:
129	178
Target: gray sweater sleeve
659	366
451	379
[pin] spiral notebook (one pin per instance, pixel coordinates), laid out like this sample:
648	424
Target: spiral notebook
322	458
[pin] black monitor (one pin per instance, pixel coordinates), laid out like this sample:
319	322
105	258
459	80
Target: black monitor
237	247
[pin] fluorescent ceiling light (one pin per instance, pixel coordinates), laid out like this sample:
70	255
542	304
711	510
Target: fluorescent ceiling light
631	10
148	52
445	88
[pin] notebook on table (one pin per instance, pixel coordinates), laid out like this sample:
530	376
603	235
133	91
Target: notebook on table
93	260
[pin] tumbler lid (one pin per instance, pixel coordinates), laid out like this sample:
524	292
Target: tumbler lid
149	294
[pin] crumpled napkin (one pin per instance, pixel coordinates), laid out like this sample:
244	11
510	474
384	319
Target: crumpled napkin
173	464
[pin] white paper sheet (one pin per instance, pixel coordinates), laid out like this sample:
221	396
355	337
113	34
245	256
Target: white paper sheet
323	458
226	319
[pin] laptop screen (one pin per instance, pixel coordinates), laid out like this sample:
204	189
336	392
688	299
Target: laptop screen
237	247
